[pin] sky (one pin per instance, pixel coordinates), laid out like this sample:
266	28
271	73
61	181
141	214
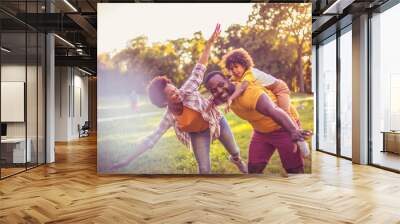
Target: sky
117	23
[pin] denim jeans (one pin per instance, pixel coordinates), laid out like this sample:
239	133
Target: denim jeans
201	145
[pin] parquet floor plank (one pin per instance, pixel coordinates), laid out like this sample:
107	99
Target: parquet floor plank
71	191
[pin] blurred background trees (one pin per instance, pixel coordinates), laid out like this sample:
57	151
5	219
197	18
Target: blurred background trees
277	36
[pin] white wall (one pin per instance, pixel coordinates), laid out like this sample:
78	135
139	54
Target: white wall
80	115
12	73
33	127
71	93
62	80
346	94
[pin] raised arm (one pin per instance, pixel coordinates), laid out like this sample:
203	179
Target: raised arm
268	108
196	78
147	143
206	52
239	89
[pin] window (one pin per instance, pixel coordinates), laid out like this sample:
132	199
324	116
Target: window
385	89
346	93
23	79
327	96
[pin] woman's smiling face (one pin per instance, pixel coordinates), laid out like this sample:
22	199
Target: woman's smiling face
172	93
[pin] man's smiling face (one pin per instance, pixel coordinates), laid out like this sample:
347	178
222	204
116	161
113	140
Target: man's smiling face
220	87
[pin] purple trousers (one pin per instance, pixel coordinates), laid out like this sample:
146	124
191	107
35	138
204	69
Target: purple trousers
263	145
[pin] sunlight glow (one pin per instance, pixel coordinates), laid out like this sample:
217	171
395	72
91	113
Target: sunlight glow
120	22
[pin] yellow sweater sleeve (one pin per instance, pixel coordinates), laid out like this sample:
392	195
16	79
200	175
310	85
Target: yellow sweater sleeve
248	76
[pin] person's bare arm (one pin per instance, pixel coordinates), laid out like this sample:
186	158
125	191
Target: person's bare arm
239	89
196	78
145	144
206	52
282	92
268	108
139	150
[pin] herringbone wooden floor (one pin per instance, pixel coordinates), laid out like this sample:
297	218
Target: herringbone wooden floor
70	191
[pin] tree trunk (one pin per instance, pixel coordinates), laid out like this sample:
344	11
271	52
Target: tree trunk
300	74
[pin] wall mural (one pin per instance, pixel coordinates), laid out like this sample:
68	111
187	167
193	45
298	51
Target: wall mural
204	88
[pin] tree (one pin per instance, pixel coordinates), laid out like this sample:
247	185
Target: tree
290	23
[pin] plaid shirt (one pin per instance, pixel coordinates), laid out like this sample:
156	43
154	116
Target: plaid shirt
193	100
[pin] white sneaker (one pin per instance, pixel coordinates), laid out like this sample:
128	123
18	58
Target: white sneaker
240	164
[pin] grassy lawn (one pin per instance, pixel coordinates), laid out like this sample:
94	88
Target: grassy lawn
120	127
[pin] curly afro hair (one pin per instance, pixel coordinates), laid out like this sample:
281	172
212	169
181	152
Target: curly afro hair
156	93
238	56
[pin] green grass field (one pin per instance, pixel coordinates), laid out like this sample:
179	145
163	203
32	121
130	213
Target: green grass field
119	128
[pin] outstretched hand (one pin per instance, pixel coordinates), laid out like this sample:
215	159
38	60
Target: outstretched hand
140	148
123	163
206	52
119	165
228	106
215	34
